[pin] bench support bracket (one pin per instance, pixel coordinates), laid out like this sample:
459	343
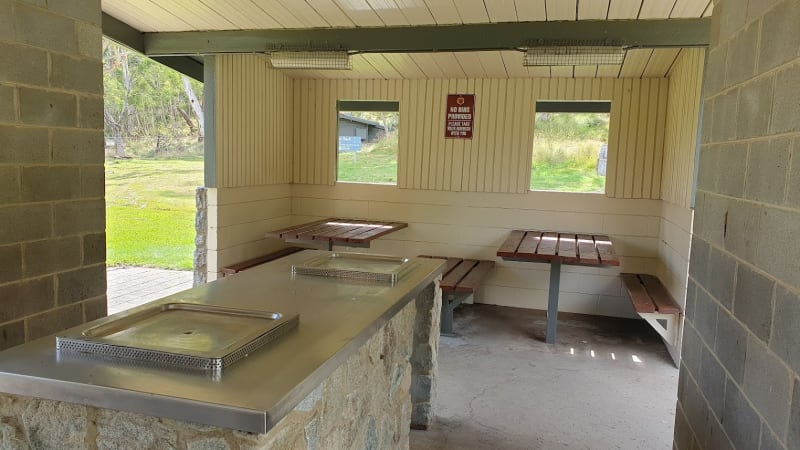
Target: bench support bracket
665	324
451	301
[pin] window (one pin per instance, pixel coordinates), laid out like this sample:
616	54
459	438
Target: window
367	147
570	146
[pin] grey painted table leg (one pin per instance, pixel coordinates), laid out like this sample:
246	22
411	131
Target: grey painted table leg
448	305
552	301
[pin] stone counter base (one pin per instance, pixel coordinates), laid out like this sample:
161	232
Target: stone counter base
364	404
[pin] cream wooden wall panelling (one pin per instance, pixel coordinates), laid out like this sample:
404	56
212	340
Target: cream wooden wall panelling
253	118
497	159
682	123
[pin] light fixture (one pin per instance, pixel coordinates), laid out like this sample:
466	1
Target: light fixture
324	60
566	55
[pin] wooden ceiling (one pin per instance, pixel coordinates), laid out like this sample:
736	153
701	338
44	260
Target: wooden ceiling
188	15
640	63
198	15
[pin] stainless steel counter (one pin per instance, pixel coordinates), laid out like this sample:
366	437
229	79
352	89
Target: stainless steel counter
336	317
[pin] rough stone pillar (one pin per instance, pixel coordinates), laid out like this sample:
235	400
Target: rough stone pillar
200	239
425	355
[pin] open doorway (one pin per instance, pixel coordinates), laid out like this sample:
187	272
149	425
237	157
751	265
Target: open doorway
154	133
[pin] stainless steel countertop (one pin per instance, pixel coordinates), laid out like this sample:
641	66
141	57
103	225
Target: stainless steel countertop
337	316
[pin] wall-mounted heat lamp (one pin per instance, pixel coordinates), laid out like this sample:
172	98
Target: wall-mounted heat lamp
322	60
572	55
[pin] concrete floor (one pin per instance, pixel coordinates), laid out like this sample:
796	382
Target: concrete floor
607	384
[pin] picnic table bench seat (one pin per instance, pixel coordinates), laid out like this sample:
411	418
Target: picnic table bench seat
653	303
244	265
460	279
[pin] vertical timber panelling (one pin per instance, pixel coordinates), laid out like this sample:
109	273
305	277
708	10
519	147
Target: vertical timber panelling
498	157
683	112
253	122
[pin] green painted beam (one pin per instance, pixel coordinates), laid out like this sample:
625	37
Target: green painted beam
436	38
122	33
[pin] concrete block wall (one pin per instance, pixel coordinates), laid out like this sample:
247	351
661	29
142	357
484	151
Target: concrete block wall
740	374
52	215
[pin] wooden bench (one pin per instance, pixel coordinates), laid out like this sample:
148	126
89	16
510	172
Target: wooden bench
460	279
653	303
244	265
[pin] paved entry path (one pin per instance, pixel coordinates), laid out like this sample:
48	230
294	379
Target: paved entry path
133	286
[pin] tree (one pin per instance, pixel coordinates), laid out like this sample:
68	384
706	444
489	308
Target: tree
146	99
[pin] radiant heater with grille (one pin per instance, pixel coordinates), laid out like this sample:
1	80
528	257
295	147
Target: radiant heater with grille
563	55
324	60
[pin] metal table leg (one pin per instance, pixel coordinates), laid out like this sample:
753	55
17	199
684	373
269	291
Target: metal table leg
552	301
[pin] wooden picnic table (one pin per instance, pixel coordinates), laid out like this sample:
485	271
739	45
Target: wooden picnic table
556	248
337	231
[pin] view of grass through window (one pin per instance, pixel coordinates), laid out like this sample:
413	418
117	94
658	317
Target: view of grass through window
367	148
569	152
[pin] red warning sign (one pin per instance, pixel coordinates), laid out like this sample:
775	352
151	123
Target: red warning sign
460	116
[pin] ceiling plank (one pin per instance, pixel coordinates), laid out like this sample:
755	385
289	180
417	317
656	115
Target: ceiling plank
585	71
513	62
416	12
444	11
360	13
449	64
474	37
147	16
660	62
405	65
427	63
493	64
242	13
331	12
656	9
283	16
689	8
389	13
382	65
561	72
471	64
199	15
709	10
501	10
531	10
562	10
593	9
539	71
305	14
624	9
472	11
608	70
635	62
362	68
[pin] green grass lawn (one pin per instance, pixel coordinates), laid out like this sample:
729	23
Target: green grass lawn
376	166
150	209
565	177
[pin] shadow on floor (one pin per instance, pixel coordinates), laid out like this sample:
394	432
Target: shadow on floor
608	383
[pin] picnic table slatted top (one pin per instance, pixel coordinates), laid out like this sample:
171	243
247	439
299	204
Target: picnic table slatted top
338	230
570	248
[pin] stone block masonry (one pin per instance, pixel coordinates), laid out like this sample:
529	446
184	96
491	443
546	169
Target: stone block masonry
363	404
52	214
739	384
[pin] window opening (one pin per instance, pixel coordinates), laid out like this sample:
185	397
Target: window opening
570	147
367	145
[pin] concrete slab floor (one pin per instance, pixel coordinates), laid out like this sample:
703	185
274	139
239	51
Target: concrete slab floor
607	384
